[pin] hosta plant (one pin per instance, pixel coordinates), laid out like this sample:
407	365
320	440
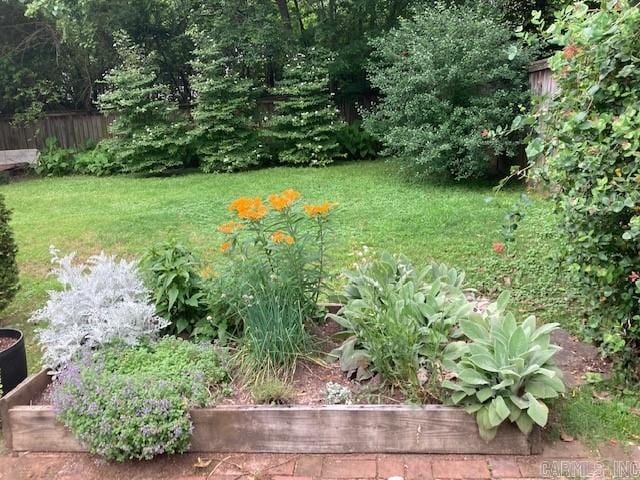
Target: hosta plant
503	370
397	319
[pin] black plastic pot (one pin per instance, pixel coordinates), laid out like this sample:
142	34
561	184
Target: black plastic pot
13	361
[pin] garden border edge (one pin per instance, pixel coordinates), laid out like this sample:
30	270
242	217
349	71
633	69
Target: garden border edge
285	429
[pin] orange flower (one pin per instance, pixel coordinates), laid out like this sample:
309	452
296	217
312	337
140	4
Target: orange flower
318	210
498	247
225	247
249	208
284	199
229	227
281	237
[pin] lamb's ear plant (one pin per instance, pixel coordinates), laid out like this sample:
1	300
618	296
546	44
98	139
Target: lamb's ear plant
504	370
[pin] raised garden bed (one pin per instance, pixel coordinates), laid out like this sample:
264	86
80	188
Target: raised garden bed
284	429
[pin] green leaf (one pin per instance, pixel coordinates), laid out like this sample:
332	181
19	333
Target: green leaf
518	343
484	394
498	411
537	410
474	331
534	148
472	377
524	423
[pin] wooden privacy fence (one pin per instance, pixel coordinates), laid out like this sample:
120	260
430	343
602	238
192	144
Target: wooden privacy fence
72	129
541	80
76	129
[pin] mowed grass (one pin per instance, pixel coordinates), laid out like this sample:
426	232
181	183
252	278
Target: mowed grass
456	224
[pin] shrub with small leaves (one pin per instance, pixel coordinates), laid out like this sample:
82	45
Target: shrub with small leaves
305	123
147	135
133	402
8	250
588	140
448	75
503	370
224	135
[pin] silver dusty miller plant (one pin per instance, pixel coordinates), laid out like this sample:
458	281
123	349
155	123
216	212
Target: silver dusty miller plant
336	394
101	301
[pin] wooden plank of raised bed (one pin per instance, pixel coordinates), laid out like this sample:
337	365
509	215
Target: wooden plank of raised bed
36	429
348	429
23	394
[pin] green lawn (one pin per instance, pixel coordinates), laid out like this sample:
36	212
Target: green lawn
456	224
450	223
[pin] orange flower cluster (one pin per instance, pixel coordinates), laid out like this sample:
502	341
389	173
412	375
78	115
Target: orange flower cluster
225	247
229	227
281	237
318	210
284	199
249	208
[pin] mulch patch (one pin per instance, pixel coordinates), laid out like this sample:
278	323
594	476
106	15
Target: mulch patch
7	342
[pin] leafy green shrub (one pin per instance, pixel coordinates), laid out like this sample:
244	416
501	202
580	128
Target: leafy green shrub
305	123
223	134
8	250
132	402
357	143
398	319
147	135
173	275
448	76
55	161
96	161
504	370
590	141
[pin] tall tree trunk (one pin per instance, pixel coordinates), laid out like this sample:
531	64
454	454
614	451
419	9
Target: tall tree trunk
283	7
299	15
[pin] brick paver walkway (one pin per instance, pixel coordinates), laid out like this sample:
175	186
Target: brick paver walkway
559	460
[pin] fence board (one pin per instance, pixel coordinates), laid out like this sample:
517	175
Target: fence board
72	129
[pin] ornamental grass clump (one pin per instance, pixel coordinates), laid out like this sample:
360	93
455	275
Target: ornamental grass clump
503	369
277	249
133	402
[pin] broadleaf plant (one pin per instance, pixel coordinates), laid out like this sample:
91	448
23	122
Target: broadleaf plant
503	369
398	319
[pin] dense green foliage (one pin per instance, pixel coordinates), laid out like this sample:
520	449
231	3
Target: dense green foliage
8	251
54	161
277	253
590	139
223	133
399	318
173	275
147	134
503	369
132	402
305	123
357	143
448	75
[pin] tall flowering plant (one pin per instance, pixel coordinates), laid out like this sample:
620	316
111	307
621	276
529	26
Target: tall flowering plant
282	240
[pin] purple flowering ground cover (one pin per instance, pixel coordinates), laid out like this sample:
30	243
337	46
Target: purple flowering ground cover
133	402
